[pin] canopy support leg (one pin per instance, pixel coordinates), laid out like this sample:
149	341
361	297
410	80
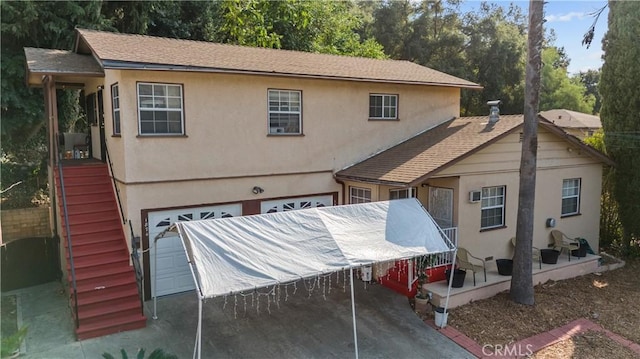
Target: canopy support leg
353	311
197	348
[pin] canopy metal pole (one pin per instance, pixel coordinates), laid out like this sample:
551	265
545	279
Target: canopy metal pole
453	269
353	311
197	350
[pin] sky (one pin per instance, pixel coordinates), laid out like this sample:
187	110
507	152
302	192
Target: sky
570	19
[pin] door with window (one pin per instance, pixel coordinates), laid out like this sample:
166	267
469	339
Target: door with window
441	206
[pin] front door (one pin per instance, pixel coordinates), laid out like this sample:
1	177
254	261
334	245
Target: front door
103	139
441	206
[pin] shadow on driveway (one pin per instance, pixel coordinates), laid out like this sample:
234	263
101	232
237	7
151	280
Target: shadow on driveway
303	326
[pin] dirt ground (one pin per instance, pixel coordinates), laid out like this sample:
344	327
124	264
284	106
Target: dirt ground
611	299
589	345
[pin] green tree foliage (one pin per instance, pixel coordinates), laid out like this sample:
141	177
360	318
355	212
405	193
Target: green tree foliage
620	107
23	132
316	26
495	58
610	226
558	89
590	80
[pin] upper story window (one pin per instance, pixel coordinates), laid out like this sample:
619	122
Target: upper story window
285	112
402	193
115	106
570	196
160	109
383	107
359	195
492	204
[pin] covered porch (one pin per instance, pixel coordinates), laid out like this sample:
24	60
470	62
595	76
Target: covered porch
497	283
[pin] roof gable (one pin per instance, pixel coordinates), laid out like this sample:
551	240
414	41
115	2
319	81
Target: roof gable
431	151
116	50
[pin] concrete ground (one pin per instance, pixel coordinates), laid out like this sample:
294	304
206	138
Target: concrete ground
302	327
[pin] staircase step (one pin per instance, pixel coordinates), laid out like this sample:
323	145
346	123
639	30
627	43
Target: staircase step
88	295
108	309
97	169
115	325
95	227
101	281
93	236
111	283
98	214
82	252
98	199
83	188
100	259
113	295
70	180
78	208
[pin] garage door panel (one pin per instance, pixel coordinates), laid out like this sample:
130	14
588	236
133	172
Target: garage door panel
292	204
173	274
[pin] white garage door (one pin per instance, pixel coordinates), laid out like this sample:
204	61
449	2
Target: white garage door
174	275
290	204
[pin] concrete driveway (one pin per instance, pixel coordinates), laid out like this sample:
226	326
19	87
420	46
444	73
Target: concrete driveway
302	327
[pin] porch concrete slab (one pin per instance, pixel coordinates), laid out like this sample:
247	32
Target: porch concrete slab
497	283
303	326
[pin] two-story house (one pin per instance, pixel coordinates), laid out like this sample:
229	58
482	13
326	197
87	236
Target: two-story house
196	130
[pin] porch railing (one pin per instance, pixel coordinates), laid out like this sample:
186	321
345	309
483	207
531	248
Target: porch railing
135	259
442	259
115	184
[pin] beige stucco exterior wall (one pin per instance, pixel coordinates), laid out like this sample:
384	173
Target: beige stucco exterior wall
226	125
498	165
226	150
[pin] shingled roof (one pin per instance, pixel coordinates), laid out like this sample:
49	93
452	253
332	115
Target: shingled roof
127	51
413	161
41	62
572	119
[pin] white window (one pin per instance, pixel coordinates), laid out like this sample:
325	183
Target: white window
492	203
285	112
115	105
402	193
383	107
359	195
160	109
570	196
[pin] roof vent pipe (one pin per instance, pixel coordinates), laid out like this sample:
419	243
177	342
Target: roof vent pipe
494	112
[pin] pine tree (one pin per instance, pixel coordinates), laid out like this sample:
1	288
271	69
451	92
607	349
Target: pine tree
620	111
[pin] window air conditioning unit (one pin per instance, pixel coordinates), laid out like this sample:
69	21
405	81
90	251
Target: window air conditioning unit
277	129
474	196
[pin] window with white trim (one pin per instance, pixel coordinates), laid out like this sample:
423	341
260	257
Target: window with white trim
570	196
492	207
359	195
160	109
285	112
402	193
115	106
383	107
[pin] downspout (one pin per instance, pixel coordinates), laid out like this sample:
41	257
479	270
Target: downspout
344	194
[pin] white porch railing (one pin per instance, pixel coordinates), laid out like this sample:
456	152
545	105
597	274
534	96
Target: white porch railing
442	259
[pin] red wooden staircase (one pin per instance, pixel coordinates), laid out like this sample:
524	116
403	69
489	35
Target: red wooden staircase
108	300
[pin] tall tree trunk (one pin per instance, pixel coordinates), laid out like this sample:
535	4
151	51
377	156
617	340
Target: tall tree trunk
522	278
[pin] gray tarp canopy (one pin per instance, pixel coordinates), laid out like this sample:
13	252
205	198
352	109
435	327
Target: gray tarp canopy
237	254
